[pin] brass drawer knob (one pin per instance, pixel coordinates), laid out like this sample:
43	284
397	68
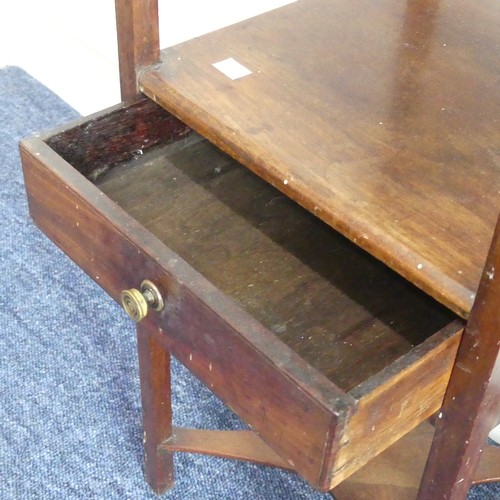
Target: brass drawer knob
136	302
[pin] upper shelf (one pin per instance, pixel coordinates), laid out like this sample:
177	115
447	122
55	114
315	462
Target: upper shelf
382	118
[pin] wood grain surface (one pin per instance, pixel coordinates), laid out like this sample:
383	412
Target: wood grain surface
315	344
288	403
471	407
381	118
345	313
138	41
154	374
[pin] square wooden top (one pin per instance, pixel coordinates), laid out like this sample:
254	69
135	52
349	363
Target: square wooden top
382	118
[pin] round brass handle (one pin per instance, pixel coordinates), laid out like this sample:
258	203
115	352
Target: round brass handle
136	302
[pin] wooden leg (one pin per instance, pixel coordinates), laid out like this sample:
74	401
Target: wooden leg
471	406
154	371
138	41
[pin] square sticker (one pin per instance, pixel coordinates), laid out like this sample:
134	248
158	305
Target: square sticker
232	68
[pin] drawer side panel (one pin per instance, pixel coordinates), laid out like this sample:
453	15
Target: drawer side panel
395	401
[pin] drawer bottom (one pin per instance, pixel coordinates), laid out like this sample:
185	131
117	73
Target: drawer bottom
345	313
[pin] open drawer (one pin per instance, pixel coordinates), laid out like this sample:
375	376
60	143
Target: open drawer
325	352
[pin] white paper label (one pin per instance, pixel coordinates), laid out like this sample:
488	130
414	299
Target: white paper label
232	68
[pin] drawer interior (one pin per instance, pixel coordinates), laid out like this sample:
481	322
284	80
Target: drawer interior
340	309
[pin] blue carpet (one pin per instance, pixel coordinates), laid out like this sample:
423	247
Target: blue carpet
70	417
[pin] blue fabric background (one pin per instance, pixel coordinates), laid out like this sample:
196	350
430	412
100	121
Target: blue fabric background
70	417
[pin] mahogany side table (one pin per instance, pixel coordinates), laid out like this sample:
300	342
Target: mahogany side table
311	237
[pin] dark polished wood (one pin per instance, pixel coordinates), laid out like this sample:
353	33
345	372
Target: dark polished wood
138	41
154	371
381	120
264	251
97	145
472	404
243	363
326	431
378	117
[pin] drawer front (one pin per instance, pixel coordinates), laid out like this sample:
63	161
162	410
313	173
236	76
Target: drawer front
263	381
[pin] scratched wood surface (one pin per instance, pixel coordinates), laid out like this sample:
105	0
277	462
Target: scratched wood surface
380	117
344	312
335	308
